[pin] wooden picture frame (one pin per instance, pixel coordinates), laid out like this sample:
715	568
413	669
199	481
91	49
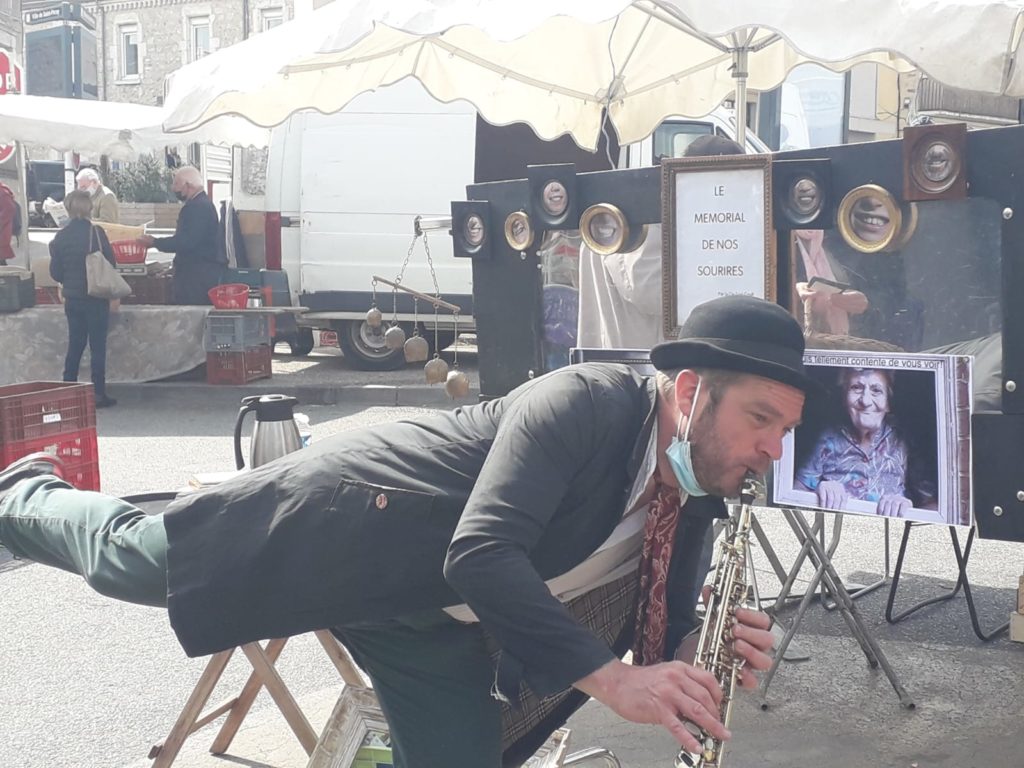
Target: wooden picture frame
356	714
927	420
717	234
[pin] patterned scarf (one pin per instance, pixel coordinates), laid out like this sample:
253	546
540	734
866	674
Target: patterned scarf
652	608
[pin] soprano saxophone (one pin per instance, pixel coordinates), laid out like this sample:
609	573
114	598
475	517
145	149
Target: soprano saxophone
729	591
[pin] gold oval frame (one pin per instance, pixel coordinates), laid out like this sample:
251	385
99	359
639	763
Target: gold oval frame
613	211
892	209
510	221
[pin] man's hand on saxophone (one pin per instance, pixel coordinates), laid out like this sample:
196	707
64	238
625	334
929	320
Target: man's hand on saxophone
753	643
673	693
667	694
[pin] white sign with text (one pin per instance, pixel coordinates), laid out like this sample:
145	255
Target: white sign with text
720	236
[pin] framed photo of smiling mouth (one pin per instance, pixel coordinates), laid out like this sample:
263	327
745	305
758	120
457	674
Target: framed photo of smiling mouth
891	437
717	236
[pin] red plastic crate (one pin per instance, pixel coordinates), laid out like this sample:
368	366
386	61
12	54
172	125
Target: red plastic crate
42	408
49	295
238	367
77	450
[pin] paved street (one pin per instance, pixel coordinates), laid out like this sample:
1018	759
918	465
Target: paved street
90	682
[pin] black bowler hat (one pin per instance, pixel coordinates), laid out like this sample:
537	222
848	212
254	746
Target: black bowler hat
740	333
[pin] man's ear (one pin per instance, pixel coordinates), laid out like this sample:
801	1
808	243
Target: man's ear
685	390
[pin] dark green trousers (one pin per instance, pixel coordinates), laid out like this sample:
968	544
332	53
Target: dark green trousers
116	547
432	679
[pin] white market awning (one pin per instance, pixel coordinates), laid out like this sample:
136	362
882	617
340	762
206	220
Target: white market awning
117	129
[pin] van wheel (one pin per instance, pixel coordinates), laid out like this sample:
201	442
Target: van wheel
301	343
364	346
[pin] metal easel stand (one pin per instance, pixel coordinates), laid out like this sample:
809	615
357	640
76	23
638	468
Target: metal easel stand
825	574
787	579
962	558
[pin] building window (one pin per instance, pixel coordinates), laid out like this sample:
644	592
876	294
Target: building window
198	37
128	34
270	18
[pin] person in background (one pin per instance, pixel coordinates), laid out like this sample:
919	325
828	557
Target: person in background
88	317
198	261
8	214
827	309
104	201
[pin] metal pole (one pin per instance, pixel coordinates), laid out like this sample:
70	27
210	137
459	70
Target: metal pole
739	71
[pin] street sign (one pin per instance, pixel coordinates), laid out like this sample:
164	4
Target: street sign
7	152
59	13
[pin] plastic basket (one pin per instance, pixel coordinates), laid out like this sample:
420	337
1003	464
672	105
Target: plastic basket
77	450
238	367
129	252
235	333
230	296
41	408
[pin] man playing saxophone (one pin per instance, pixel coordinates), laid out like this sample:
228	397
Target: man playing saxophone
483	565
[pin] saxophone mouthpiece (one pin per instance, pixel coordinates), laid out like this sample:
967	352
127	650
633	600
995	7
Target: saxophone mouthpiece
753	486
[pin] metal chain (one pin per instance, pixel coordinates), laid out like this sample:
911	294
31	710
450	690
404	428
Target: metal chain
408	255
430	263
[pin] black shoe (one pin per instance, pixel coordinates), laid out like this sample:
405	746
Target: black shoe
105	402
33	465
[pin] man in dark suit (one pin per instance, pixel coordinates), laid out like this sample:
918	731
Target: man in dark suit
485	557
198	261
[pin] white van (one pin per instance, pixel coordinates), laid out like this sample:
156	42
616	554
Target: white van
342	191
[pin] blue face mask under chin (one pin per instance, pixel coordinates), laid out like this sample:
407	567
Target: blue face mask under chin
679	457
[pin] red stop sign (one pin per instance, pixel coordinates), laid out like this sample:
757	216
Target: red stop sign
10	74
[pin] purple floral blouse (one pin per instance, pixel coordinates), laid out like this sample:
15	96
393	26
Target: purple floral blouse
869	475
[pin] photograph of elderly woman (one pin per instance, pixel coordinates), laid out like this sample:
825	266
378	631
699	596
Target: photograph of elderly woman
875	444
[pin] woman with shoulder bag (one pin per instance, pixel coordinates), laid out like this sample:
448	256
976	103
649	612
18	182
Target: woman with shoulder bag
88	317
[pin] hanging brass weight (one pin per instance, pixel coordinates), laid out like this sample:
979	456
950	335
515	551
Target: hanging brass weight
394	337
457	384
436	370
374	318
416	349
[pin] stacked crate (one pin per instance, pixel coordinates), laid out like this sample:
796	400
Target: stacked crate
56	418
17	289
237	347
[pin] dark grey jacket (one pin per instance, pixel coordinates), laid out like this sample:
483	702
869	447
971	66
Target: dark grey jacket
67	256
479	505
198	261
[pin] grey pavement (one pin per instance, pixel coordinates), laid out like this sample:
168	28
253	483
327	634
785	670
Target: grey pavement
87	681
